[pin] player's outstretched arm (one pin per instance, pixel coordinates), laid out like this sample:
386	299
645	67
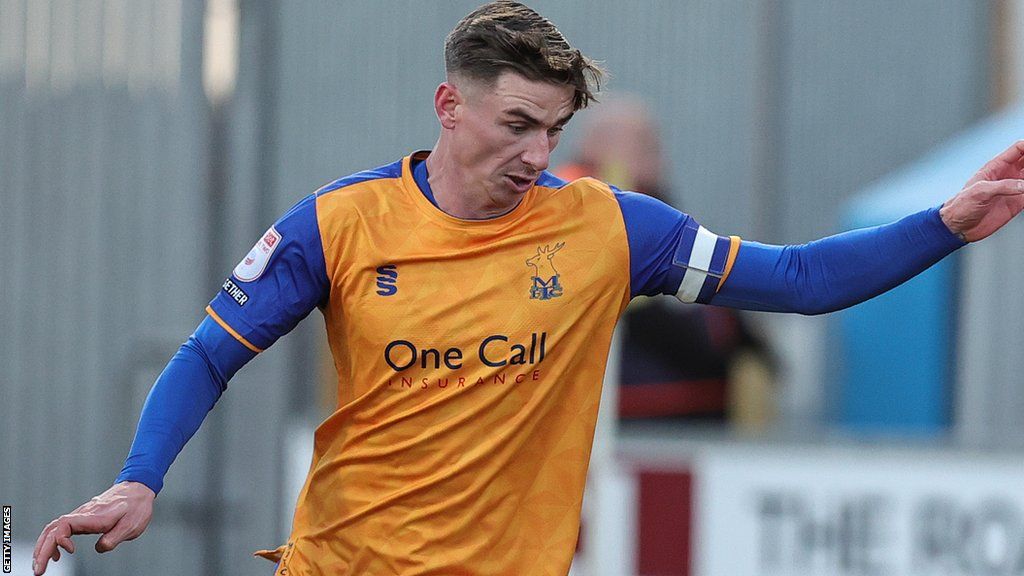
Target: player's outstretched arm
842	270
990	199
121	513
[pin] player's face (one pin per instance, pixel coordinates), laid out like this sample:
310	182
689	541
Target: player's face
506	132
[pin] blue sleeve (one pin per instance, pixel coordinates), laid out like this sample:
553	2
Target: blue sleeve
838	271
652	229
669	252
179	400
278	283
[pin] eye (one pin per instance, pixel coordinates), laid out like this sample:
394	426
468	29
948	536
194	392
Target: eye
517	128
555	131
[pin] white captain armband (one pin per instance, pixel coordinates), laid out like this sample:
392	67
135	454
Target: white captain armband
706	259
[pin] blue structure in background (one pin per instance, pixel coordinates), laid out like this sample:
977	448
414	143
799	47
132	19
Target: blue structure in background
897	351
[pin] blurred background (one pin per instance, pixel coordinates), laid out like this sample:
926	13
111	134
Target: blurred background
146	144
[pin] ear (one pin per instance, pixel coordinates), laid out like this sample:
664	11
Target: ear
446	98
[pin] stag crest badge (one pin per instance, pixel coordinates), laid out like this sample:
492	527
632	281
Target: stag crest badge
546	284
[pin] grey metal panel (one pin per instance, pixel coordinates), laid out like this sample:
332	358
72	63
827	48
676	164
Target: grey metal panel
254	413
868	87
704	90
862	88
13	287
989	383
357	81
101	141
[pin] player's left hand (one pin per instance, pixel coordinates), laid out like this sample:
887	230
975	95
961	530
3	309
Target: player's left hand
990	199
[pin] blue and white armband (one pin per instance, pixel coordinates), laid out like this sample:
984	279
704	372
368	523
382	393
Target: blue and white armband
706	259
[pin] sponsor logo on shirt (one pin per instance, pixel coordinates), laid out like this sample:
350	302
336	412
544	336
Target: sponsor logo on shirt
236	293
509	361
496	350
546	284
255	262
387	280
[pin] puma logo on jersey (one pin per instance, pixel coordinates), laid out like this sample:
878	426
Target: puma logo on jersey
387	280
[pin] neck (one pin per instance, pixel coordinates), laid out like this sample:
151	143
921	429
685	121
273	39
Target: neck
454	193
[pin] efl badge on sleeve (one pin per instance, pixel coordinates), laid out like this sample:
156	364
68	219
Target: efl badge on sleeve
255	262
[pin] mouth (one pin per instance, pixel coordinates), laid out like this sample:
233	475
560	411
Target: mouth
520	183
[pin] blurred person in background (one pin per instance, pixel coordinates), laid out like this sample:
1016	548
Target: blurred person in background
470	297
678	362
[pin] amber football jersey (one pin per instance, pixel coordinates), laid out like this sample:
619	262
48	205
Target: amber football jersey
469	354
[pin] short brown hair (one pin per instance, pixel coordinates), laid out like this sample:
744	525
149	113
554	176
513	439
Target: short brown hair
506	35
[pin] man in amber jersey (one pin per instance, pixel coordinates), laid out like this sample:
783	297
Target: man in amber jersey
469	299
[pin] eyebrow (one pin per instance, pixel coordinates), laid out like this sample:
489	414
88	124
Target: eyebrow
526	117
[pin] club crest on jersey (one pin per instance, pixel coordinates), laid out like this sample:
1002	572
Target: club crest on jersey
546	284
255	262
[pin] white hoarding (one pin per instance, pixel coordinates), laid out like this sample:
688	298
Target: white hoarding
828	511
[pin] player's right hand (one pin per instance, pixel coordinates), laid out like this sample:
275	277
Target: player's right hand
121	513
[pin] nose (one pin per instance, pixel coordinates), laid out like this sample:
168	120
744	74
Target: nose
538	151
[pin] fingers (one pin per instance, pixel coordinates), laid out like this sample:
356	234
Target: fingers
1008	164
129	527
48	548
1011	157
46	545
39	562
1007	187
1012	154
111	539
120	513
57	534
36	568
39	541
